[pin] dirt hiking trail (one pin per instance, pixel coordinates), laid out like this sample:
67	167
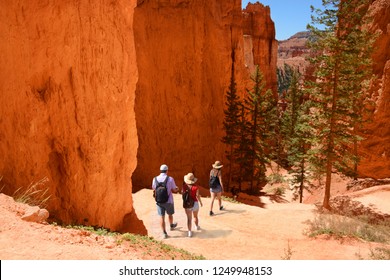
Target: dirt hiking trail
240	232
250	232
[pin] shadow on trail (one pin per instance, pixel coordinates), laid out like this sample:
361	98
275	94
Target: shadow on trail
212	233
228	211
275	198
181	232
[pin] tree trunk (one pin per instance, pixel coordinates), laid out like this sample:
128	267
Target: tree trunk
325	203
230	168
302	180
330	146
355	160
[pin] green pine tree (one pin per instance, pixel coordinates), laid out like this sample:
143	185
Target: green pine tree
261	107
241	174
284	76
231	123
295	130
342	50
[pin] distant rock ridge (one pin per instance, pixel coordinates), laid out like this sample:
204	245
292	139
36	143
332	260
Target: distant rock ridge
294	51
300	35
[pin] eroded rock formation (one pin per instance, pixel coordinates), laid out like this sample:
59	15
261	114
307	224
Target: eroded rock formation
375	149
294	51
184	66
68	76
260	45
91	92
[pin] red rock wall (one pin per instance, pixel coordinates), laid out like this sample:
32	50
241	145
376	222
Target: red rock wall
183	55
67	80
375	149
184	66
91	92
260	44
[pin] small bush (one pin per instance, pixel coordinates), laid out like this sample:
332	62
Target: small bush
287	252
341	226
149	242
96	230
146	242
380	254
276	178
280	191
230	199
36	194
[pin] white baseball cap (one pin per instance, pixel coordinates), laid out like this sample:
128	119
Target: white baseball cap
164	167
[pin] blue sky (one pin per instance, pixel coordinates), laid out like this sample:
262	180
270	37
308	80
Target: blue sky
289	16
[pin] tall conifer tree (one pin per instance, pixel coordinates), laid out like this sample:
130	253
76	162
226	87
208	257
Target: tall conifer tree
297	133
262	119
231	121
342	62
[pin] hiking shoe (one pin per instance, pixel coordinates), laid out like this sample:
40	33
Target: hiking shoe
165	235
221	208
197	227
173	226
189	233
211	213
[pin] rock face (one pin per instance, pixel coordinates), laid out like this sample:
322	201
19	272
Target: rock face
179	102
67	85
376	148
260	46
294	51
184	66
95	96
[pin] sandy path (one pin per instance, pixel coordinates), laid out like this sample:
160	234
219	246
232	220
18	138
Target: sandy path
248	232
376	197
240	232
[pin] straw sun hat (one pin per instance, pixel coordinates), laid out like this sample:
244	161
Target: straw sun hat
217	165
190	179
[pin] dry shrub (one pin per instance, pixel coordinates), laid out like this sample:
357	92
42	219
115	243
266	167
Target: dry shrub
36	194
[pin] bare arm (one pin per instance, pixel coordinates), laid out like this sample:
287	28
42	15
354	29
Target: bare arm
220	179
175	190
198	197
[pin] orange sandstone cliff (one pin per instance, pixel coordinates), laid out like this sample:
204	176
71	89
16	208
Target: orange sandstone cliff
67	79
95	96
375	149
185	51
260	45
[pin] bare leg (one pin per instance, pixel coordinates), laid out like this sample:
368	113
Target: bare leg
170	217
162	223
196	219
219	200
189	219
212	200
